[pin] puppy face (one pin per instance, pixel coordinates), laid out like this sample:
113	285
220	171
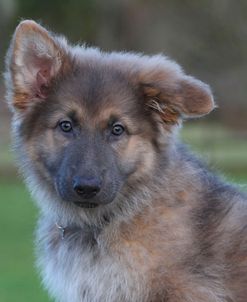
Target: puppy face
89	137
89	125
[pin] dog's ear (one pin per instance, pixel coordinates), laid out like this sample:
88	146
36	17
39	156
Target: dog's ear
34	60
172	94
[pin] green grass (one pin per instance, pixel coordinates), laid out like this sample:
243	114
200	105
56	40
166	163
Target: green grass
18	278
225	150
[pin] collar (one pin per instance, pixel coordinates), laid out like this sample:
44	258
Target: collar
86	230
67	230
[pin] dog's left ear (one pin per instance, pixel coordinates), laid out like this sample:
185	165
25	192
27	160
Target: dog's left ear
174	95
34	60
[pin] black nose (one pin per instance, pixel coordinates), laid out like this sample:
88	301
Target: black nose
86	187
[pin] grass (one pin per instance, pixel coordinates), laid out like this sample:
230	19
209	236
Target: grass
225	150
18	279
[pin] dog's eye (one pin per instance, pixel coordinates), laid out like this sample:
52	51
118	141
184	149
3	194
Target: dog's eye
65	126
117	129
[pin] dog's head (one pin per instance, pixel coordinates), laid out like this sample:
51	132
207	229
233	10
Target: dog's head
89	124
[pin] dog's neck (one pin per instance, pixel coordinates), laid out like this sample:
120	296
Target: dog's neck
85	230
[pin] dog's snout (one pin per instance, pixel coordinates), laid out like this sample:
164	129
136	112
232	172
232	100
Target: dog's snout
86	187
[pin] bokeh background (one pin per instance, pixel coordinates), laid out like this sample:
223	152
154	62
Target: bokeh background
208	38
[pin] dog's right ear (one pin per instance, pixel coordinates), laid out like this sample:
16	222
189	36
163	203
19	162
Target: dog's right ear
33	62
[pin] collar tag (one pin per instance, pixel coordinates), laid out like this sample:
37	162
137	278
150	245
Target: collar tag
61	230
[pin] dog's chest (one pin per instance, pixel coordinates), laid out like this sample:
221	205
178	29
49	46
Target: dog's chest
121	264
85	269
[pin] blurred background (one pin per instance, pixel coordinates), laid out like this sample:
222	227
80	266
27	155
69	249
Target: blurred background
208	38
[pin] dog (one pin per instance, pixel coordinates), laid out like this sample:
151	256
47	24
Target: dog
127	212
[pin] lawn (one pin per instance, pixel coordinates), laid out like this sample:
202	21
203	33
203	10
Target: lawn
19	281
223	149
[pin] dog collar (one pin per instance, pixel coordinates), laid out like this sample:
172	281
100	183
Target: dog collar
66	230
86	229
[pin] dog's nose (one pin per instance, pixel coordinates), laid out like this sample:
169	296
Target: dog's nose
86	187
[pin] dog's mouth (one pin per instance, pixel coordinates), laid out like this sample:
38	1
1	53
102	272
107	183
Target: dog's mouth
87	205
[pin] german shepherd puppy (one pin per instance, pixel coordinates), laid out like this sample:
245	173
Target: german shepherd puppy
127	214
